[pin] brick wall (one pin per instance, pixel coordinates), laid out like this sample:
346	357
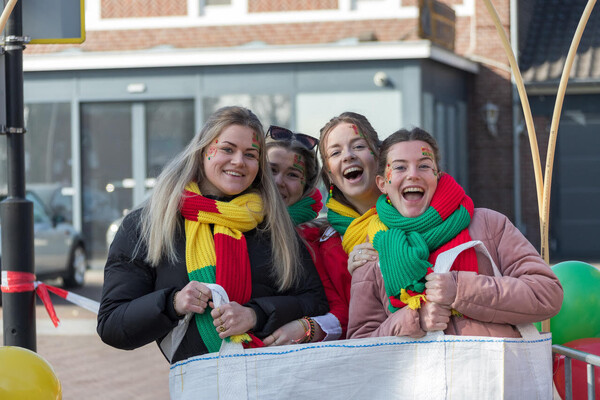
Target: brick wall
255	6
142	8
490	157
219	36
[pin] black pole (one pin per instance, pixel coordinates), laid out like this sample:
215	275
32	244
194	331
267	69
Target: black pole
16	213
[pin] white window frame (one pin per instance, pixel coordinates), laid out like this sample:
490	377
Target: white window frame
237	14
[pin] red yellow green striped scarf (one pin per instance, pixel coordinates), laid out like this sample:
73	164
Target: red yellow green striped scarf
408	247
221	257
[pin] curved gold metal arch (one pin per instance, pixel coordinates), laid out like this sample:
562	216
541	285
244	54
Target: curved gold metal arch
543	188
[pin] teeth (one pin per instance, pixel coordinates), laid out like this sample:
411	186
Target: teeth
412	189
353	169
232	173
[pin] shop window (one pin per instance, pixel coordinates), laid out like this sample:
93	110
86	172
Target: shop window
271	109
48	143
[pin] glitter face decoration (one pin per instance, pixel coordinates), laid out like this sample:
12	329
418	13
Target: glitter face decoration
426	151
388	173
212	150
300	165
255	142
356	131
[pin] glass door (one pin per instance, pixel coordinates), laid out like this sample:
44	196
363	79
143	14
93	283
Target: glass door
106	169
124	147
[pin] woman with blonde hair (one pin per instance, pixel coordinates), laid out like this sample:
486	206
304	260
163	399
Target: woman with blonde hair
215	216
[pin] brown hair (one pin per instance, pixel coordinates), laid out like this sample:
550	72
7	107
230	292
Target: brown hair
404	135
369	134
312	165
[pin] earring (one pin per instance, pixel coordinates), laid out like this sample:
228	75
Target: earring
331	190
387	198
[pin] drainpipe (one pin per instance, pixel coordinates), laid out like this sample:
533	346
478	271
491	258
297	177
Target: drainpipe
517	126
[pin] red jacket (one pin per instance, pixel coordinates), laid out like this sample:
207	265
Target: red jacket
332	265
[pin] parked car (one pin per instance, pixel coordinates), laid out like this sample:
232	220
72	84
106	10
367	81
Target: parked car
59	249
99	210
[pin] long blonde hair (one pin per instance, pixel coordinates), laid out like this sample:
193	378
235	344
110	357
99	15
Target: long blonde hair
160	215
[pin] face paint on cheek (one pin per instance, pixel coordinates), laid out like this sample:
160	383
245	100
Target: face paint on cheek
212	150
388	174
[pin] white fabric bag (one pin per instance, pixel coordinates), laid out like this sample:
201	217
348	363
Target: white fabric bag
437	366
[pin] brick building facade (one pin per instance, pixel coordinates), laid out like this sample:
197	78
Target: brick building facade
189	32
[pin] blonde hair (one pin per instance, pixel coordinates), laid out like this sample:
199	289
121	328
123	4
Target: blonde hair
160	215
368	133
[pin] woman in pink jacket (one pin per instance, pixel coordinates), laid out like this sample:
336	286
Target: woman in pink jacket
423	213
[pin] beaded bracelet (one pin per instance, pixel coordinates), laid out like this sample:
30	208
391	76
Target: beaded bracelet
306	326
311	330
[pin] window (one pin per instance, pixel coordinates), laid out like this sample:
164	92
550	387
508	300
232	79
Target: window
271	109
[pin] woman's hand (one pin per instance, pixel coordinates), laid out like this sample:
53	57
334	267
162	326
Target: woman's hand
360	255
434	316
441	288
233	319
290	333
194	297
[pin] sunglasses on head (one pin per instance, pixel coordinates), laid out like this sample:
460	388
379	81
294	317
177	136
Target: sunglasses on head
279	133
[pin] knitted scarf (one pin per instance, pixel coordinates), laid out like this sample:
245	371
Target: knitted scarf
307	208
221	257
408	247
348	223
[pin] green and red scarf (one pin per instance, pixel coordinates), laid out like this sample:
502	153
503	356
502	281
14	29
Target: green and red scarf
220	256
307	208
408	247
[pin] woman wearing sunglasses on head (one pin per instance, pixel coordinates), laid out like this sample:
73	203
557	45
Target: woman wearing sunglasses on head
295	169
423	213
214	216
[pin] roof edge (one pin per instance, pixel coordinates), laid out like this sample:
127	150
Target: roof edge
244	55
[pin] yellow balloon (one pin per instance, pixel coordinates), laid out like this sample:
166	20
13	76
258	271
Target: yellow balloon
24	374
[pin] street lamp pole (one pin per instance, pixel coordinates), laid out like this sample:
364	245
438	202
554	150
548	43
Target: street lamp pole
16	213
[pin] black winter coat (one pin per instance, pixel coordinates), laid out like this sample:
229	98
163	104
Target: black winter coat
137	299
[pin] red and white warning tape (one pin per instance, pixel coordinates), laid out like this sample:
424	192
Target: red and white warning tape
16	282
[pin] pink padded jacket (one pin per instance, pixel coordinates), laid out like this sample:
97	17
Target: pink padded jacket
528	291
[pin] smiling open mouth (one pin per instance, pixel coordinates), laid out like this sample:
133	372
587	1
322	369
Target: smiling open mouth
232	173
353	173
413	193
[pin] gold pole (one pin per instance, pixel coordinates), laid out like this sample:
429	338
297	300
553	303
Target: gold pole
6	13
560	95
543	192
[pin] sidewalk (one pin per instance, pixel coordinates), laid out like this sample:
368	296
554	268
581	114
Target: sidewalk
89	369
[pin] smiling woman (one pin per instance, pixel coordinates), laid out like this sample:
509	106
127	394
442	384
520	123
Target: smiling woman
349	148
425	212
214	216
231	162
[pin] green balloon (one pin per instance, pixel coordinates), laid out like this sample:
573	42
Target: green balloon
579	316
